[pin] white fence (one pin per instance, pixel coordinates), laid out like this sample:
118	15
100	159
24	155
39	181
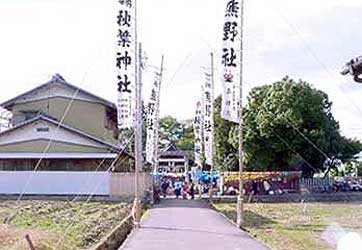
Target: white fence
70	183
123	184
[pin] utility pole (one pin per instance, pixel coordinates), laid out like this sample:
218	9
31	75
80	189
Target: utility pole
212	120
138	140
240	205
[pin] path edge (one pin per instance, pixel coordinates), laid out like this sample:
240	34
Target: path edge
212	206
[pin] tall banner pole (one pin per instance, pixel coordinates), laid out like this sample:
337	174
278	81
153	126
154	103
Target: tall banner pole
202	138
231	105
240	205
138	141
158	115
156	131
129	106
213	130
138	124
198	150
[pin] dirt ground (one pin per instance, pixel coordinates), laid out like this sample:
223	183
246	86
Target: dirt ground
57	225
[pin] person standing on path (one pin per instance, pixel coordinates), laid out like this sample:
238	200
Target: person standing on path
164	187
192	190
185	190
178	188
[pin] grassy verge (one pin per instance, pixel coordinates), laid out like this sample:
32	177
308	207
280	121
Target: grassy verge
298	226
57	224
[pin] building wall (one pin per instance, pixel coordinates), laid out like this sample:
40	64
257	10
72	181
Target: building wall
54	90
42	129
72	183
40	146
123	184
55	183
86	116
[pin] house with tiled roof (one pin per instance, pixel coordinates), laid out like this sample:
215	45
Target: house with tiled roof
174	160
61	128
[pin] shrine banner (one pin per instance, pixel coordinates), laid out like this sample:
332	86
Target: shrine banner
152	119
208	100
232	61
126	63
198	122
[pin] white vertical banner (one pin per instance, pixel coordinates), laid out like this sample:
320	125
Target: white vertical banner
208	101
126	63
231	61
152	119
198	125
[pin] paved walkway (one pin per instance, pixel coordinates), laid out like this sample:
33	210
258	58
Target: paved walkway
188	225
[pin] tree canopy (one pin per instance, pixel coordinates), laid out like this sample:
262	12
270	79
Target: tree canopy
287	126
172	130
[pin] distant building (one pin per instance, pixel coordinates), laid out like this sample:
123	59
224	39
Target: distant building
174	160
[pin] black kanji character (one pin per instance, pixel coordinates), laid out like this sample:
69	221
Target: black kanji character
228	59
125	38
123	84
232	9
124	18
207	126
151	108
127	3
197	120
230	31
123	59
150	124
153	95
208	110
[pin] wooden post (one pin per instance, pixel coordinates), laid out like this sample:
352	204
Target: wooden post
31	245
240	208
213	135
138	141
157	124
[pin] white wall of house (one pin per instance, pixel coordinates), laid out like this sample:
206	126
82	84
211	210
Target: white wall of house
55	183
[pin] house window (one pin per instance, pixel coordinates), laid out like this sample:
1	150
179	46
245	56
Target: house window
42	129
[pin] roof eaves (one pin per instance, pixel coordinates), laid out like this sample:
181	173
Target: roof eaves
58	123
57	79
20	125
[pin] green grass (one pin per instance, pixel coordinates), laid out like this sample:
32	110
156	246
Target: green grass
287	226
60	225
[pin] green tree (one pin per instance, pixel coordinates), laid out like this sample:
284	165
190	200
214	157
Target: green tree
289	122
186	141
172	130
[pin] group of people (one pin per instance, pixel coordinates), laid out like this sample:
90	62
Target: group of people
179	187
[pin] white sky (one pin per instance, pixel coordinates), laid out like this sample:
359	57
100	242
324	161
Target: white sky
309	39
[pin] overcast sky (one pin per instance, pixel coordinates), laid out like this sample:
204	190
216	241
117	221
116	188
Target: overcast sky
309	39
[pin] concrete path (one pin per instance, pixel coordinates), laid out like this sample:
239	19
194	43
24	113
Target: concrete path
188	225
